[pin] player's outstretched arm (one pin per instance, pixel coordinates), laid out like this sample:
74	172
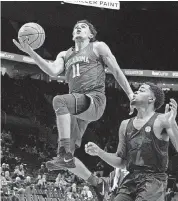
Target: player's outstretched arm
51	68
104	51
110	158
169	122
115	160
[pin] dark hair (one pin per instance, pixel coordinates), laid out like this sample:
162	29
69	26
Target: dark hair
158	93
91	27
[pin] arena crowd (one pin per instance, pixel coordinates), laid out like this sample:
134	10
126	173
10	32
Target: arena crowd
24	149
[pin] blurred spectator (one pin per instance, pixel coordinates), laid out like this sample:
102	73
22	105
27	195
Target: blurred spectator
57	182
44	179
41	181
7	167
74	188
74	193
61	183
3	169
17	184
17	180
86	193
27	180
43	170
69	177
7	176
18	159
3	179
22	171
16	172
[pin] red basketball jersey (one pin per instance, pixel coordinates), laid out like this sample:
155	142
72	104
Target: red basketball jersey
84	71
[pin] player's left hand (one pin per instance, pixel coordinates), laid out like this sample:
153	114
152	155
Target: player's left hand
171	111
23	45
92	149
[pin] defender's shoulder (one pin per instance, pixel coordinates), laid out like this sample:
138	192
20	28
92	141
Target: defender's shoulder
123	125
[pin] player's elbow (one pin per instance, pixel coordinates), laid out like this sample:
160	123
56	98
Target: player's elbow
121	164
56	70
53	73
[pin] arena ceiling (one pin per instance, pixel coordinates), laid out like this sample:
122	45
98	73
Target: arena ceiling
142	35
56	13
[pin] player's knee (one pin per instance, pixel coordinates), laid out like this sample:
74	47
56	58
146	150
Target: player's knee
59	104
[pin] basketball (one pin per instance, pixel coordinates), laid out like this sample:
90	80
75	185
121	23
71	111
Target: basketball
33	33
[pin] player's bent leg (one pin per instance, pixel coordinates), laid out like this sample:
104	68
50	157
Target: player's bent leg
64	156
81	170
99	185
64	106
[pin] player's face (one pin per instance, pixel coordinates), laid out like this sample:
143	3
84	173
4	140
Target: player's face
81	31
143	96
3	165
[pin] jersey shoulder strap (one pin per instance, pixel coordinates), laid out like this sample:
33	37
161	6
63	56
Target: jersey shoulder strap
152	119
127	122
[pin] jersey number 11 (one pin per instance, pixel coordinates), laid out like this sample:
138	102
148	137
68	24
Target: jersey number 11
76	71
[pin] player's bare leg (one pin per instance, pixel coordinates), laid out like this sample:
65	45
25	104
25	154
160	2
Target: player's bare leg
64	156
99	185
63	127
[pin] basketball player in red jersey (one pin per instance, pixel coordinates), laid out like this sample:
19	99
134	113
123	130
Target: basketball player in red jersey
143	146
83	65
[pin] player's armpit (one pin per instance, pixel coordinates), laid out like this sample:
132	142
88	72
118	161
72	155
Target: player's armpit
112	159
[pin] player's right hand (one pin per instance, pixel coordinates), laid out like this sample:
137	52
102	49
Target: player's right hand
23	45
92	149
